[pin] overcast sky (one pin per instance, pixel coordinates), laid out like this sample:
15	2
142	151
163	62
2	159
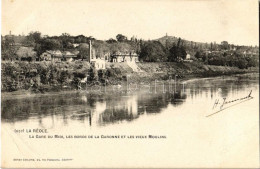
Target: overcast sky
203	21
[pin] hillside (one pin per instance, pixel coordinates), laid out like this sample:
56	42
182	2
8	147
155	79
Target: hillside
172	39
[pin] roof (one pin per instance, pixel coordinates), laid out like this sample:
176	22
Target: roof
75	52
69	54
56	53
46	52
126	53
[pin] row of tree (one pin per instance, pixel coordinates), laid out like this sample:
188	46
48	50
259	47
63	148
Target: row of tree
233	59
166	49
154	51
40	44
44	76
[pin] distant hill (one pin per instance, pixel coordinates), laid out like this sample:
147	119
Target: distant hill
172	39
190	46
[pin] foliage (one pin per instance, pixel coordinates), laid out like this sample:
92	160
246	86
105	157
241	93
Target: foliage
177	53
153	51
63	77
26	52
167	48
111	40
92	75
198	55
83	51
121	38
33	38
232	59
8	49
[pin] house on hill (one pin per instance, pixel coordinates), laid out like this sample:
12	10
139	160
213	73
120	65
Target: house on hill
69	56
124	57
188	58
98	63
51	55
56	55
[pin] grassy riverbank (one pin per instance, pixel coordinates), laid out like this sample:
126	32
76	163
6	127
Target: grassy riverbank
41	77
184	71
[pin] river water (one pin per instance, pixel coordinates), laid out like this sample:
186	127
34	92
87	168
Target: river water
185	130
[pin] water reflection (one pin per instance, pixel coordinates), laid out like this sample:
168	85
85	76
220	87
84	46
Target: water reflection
104	109
100	110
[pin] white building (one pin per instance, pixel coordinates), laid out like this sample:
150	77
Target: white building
188	56
97	63
124	57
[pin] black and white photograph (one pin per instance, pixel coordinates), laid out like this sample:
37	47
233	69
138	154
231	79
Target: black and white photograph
130	84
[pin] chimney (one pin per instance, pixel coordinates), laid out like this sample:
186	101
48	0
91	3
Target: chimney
90	49
10	33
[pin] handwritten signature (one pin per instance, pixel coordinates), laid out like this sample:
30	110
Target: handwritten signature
220	105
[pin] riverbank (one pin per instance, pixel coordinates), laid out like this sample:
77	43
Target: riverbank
44	77
168	70
107	90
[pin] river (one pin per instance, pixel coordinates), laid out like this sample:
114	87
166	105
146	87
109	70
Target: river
184	128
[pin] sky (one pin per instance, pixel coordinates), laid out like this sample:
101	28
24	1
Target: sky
235	21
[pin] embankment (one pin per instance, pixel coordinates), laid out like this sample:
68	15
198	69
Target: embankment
46	76
186	70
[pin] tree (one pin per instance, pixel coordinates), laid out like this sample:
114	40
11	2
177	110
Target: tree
66	40
26	52
101	48
83	51
183	53
177	53
8	49
80	39
153	51
224	45
121	38
33	38
242	63
179	42
111	40
47	44
93	75
198	55
115	47
63	77
253	61
205	58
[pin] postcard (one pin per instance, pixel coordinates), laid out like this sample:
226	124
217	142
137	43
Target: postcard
130	84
